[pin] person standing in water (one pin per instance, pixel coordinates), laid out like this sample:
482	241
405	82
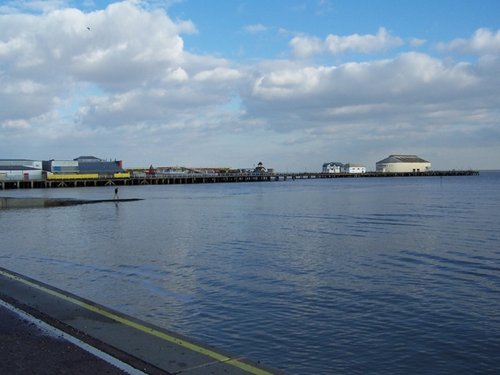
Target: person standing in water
116	193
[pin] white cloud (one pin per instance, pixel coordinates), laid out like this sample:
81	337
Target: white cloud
304	46
408	73
177	74
218	74
119	49
254	29
130	79
410	98
367	43
482	42
295	82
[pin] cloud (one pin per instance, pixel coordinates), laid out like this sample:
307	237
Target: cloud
218	75
384	101
254	29
129	82
49	56
482	42
176	75
304	46
121	43
367	43
409	72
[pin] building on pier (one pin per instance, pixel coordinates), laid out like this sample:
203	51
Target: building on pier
353	168
332	167
403	163
21	173
61	166
20	169
35	170
336	167
260	168
91	164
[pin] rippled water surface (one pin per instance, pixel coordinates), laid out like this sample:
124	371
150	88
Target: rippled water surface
366	275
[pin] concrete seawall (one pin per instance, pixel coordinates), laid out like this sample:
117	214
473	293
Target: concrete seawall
52	202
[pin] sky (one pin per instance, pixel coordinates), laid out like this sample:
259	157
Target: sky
289	83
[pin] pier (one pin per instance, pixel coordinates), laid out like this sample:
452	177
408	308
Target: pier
202	178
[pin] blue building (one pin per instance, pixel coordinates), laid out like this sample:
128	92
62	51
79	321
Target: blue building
91	164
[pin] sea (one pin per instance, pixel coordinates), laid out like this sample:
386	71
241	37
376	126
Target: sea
314	276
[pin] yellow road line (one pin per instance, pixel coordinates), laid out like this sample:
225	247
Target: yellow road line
162	335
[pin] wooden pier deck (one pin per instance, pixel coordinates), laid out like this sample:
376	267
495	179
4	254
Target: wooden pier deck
201	178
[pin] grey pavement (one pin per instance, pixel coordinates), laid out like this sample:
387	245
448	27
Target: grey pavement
136	343
26	349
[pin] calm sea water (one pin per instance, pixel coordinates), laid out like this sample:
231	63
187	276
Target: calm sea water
345	276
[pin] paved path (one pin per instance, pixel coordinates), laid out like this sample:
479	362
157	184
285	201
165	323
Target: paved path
129	340
27	349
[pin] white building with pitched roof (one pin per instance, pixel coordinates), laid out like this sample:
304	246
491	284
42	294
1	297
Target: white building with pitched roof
403	163
332	167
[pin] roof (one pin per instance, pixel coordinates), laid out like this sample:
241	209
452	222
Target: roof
333	163
16	160
86	158
402	159
17	168
354	165
9	162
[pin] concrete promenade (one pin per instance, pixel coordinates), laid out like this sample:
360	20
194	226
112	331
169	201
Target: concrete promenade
27	349
112	342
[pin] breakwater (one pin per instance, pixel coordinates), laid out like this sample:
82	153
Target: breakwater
53	202
200	178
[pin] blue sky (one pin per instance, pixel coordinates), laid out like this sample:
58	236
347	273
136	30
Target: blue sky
222	25
293	84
